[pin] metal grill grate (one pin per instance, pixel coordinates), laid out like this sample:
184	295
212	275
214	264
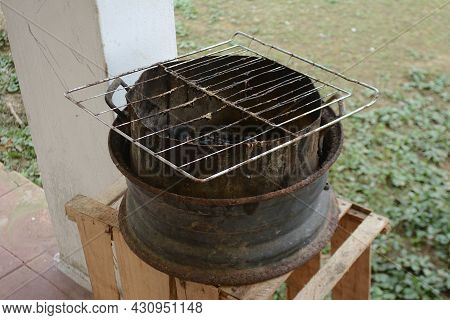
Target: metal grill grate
243	76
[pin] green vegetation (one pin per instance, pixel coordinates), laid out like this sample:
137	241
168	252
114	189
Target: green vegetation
393	162
8	78
16	147
17	152
3	39
186	8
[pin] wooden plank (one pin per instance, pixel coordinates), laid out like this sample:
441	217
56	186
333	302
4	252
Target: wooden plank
139	280
300	277
81	205
358	208
258	291
360	213
329	275
187	290
343	206
355	284
96	240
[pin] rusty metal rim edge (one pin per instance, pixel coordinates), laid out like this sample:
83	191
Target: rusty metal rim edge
230	277
126	171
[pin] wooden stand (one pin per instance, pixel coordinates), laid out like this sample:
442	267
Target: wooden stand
116	272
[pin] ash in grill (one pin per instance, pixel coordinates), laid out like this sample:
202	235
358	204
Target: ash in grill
226	152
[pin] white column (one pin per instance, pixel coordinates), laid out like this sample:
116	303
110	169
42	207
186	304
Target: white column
61	44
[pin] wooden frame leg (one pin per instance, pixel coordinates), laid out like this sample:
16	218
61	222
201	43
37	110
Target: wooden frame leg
95	237
94	222
300	276
138	279
355	284
338	265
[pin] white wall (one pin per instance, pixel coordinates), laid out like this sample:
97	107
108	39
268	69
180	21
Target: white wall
136	33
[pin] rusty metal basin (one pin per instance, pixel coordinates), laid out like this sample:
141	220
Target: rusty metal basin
232	241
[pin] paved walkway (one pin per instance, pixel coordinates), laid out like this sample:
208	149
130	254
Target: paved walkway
28	246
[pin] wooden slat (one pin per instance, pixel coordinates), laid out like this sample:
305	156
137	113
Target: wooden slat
300	277
187	290
355	284
81	205
96	240
344	257
358	208
138	279
258	291
344	206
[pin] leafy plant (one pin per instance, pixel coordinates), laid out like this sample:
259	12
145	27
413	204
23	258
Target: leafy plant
186	8
16	147
394	163
8	77
400	272
280	293
17	152
214	14
420	81
180	29
4	42
187	45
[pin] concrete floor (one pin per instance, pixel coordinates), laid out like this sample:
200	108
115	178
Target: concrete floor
27	245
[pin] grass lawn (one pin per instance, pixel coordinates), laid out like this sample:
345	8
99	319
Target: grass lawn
395	158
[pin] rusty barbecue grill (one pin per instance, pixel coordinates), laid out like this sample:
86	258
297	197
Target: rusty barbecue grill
226	152
254	81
